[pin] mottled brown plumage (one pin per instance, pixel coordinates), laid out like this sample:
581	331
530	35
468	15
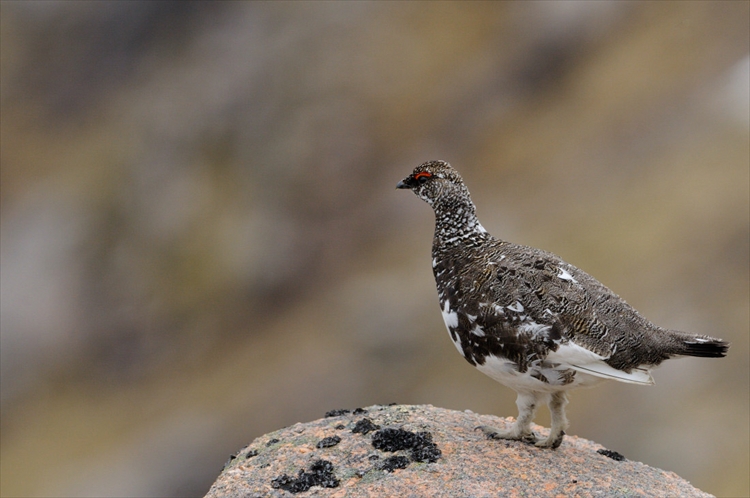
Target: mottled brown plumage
530	320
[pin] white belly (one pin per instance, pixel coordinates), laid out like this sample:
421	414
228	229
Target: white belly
505	372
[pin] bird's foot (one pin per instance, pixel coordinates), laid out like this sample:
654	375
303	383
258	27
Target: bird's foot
513	434
552	441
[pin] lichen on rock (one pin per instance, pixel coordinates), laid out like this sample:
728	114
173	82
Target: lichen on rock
421	450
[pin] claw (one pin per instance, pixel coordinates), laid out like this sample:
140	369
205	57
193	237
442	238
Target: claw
551	442
530	438
512	434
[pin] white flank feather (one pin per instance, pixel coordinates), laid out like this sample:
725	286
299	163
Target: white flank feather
585	361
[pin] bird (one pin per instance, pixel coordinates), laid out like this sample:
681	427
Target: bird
531	321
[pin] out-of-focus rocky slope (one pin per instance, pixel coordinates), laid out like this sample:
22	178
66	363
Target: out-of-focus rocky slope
195	193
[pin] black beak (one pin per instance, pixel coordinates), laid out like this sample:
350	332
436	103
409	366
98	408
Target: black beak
403	184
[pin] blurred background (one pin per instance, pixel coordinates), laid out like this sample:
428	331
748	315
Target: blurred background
202	242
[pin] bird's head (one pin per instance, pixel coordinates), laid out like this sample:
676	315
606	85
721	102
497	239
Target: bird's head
433	181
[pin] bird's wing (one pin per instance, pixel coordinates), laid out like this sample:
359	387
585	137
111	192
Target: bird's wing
563	300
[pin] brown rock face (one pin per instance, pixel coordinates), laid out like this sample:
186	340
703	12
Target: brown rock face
422	450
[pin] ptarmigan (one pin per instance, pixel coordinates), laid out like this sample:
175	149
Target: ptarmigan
531	321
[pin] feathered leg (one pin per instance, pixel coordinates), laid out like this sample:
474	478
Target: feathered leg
557	404
527	405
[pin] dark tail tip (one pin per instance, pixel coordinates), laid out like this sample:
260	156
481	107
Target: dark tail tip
706	347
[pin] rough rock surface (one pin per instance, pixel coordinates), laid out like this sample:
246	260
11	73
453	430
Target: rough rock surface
404	450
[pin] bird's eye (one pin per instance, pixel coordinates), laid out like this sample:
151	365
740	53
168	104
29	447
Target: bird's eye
422	177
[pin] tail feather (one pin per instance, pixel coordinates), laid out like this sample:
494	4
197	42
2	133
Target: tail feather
705	347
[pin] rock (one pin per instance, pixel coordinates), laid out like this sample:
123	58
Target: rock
427	451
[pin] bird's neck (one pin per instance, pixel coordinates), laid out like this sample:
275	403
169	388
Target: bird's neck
456	223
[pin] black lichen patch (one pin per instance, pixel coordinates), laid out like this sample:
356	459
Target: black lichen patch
327	442
359	411
395	462
420	444
320	474
424	450
611	454
232	457
272	441
365	426
251	453
337	413
393	439
340	427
